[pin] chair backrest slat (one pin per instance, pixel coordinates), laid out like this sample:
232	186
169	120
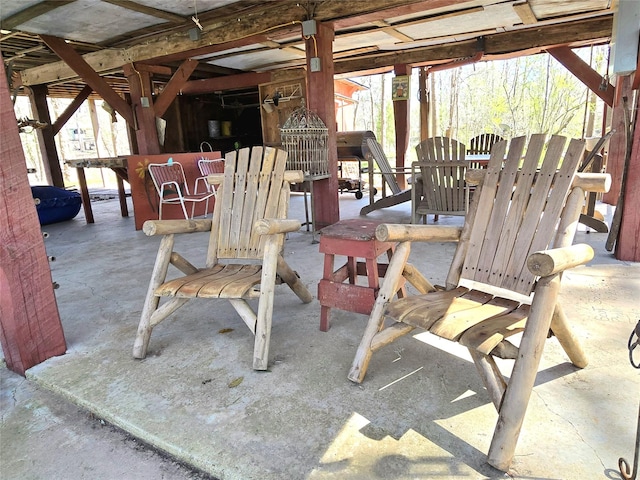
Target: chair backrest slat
442	165
481	144
244	188
440	149
443	187
251	189
383	164
518	210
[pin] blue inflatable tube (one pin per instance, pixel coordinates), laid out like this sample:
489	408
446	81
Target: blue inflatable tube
55	204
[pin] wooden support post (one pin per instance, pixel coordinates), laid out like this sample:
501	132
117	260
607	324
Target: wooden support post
50	158
627	246
143	111
618	142
30	327
320	99
401	119
424	104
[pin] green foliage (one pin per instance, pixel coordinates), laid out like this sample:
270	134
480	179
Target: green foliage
520	96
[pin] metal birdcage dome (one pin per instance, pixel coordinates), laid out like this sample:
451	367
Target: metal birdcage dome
305	136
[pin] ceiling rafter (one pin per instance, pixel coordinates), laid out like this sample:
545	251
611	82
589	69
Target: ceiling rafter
29	13
154	12
383	30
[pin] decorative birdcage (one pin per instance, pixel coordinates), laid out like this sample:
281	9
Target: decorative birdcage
305	136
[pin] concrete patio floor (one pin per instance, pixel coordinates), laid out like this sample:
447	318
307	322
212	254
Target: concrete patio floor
422	411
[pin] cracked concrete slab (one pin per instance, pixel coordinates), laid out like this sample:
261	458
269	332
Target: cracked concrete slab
422	411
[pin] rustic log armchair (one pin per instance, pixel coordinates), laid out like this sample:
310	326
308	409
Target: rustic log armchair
244	258
504	278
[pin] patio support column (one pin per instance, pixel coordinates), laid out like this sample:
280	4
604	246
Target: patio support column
143	111
30	327
401	119
320	99
618	141
628	246
46	136
423	96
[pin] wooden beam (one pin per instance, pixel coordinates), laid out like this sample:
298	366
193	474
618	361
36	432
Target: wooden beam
30	327
71	109
401	122
158	69
583	72
32	12
46	140
222	30
636	76
174	86
390	30
242	80
377	10
627	246
500	43
146	132
617	149
77	63
154	12
321	99
524	11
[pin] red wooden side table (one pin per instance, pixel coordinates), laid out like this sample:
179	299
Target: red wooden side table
354	238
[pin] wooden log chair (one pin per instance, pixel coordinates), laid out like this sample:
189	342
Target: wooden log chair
481	144
439	190
504	279
244	258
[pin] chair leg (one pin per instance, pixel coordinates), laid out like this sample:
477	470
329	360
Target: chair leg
376	319
265	304
291	278
151	300
523	376
491	376
184	209
568	341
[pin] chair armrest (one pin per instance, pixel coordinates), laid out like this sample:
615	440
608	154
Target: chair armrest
294	176
204	182
593	182
270	226
165	227
417	233
215	178
550	262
